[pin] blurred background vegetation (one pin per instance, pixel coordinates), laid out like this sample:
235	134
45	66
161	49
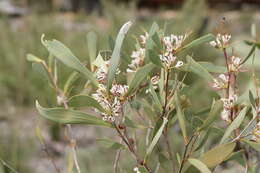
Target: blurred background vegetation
22	23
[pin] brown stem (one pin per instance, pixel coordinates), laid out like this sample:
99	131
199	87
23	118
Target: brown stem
131	149
185	153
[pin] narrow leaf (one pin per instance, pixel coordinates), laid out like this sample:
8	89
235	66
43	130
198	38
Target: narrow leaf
63	54
199	70
217	155
140	75
249	54
154	57
114	62
254	145
92	45
199	165
204	39
84	101
213	114
212	68
181	118
107	143
70	81
156	137
235	124
68	116
155	97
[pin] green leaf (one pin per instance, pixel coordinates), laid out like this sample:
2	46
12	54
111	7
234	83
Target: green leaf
165	163
155	97
199	165
154	57
213	114
198	69
107	143
131	124
70	81
140	75
68	116
235	124
254	145
212	68
156	137
63	54
181	118
114	62
157	41
84	101
33	58
204	39
251	98
217	155
249	54
92	45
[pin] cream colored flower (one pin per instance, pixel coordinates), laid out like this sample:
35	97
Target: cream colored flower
222	41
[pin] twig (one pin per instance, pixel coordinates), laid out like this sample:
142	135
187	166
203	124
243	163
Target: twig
184	154
116	162
8	166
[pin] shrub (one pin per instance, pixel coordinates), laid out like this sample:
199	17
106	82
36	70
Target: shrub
144	100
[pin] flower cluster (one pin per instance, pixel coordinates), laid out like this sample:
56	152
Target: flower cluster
136	170
172	43
222	41
228	104
256	133
138	55
154	81
169	60
137	60
111	102
221	82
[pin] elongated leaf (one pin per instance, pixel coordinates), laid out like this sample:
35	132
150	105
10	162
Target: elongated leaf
212	68
199	165
70	81
155	97
156	137
254	145
181	118
251	98
204	39
84	101
140	75
213	114
63	54
107	143
131	124
249	54
235	124
92	45
217	155
114	62
33	58
68	116
199	70
154	57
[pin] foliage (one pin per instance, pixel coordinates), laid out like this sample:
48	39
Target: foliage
151	87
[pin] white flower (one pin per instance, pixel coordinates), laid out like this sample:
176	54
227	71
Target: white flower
221	82
235	64
119	90
179	64
221	41
225	115
143	38
137	60
136	169
101	73
168	59
173	42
